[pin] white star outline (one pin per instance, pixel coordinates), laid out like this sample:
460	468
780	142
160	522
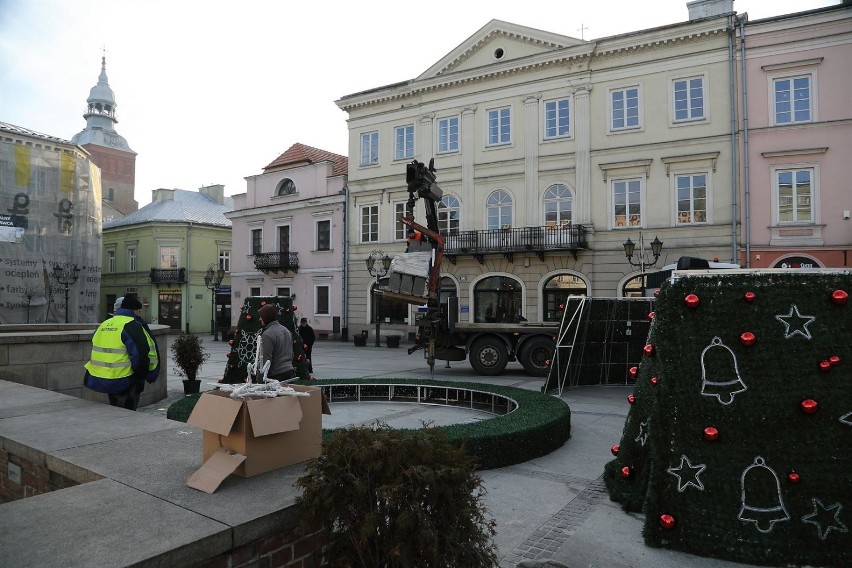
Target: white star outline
846	419
694	472
804	326
837	507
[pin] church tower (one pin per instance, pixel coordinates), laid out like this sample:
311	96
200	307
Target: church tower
109	151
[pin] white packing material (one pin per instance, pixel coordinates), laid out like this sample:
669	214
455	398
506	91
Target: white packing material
413	263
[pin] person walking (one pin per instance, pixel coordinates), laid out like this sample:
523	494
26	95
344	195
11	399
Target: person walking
124	356
277	345
308	337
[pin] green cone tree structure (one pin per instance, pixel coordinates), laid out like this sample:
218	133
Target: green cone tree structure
244	343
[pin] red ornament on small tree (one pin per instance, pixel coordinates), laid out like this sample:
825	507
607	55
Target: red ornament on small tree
651	315
748	338
839	297
825	366
667	522
809	406
711	433
654	381
793	477
749	297
834	360
691	301
615	449
649	350
633	371
626	472
631	398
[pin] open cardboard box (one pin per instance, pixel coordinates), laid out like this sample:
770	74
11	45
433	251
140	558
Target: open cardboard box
250	437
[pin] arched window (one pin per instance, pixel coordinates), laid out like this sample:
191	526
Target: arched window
286	187
635	287
498	209
449	215
556	292
557	205
446	289
498	300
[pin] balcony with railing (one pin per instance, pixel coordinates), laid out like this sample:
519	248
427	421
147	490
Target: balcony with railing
168	275
509	240
277	262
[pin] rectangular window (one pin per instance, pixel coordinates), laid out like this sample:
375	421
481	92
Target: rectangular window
556	115
282	291
448	134
499	126
404	142
691	199
369	148
792	99
225	260
625	108
111	261
626	202
322	300
284	238
370	224
688	98
256	241
795	192
254	291
324	235
401	209
131	259
168	257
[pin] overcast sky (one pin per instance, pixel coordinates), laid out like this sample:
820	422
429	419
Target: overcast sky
212	91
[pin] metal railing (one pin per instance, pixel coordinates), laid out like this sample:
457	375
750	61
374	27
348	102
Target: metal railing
277	262
168	275
517	239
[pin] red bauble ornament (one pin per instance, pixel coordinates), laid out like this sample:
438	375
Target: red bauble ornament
248	317
809	406
615	449
231	342
654	381
834	360
692	301
824	366
711	433
667	522
299	359
305	346
747	338
547	362
656	293
749	297
793	477
626	472
295	308
649	350
631	398
561	306
633	372
651	315
839	297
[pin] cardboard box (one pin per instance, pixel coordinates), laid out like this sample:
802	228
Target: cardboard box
257	435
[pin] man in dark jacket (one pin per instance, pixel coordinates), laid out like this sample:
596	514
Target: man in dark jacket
308	337
124	356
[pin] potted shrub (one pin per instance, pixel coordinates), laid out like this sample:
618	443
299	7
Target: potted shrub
189	354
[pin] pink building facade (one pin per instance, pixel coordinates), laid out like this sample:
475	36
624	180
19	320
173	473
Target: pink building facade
795	120
289	235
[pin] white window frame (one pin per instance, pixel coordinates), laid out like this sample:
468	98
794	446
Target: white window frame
811	74
690	119
282	291
327	312
316	234
611	198
677	219
558	200
160	249
449	127
254	291
110	261
501	218
371	237
498	114
225	259
403	142
446	225
815	194
399	228
611	111
545	119
369	149
131	259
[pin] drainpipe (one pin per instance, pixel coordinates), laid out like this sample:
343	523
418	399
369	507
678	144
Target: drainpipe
188	278
732	30
746	176
344	331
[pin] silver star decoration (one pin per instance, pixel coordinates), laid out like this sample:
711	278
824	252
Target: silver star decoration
823	519
847	419
798	322
687	474
643	433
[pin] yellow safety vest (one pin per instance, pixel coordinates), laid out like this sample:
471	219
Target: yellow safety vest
110	359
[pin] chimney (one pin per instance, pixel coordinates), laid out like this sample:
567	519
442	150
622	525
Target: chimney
162	195
709	8
214	192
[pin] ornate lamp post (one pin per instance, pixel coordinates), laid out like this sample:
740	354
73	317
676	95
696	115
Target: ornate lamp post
656	249
66	276
212	280
378	272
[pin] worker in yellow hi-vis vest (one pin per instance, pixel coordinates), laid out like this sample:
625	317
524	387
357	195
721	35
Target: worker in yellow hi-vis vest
124	356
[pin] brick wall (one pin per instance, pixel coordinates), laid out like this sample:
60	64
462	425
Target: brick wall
288	548
35	476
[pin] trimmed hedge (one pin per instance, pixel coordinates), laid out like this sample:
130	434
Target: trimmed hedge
539	425
772	487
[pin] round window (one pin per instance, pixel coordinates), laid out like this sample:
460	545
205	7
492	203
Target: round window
499	53
287	187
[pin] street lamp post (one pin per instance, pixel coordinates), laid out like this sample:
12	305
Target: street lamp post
212	280
66	276
378	272
643	263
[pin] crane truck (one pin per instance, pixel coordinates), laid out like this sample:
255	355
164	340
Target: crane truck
414	277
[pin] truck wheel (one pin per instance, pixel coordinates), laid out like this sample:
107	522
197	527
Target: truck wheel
536	356
488	356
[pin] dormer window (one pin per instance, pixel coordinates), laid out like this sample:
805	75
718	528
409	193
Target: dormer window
286	187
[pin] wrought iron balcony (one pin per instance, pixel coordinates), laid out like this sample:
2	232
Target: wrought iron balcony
277	262
509	240
168	275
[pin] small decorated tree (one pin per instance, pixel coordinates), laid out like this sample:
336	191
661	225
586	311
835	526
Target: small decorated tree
244	343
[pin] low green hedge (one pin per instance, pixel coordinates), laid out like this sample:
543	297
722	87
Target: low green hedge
540	424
